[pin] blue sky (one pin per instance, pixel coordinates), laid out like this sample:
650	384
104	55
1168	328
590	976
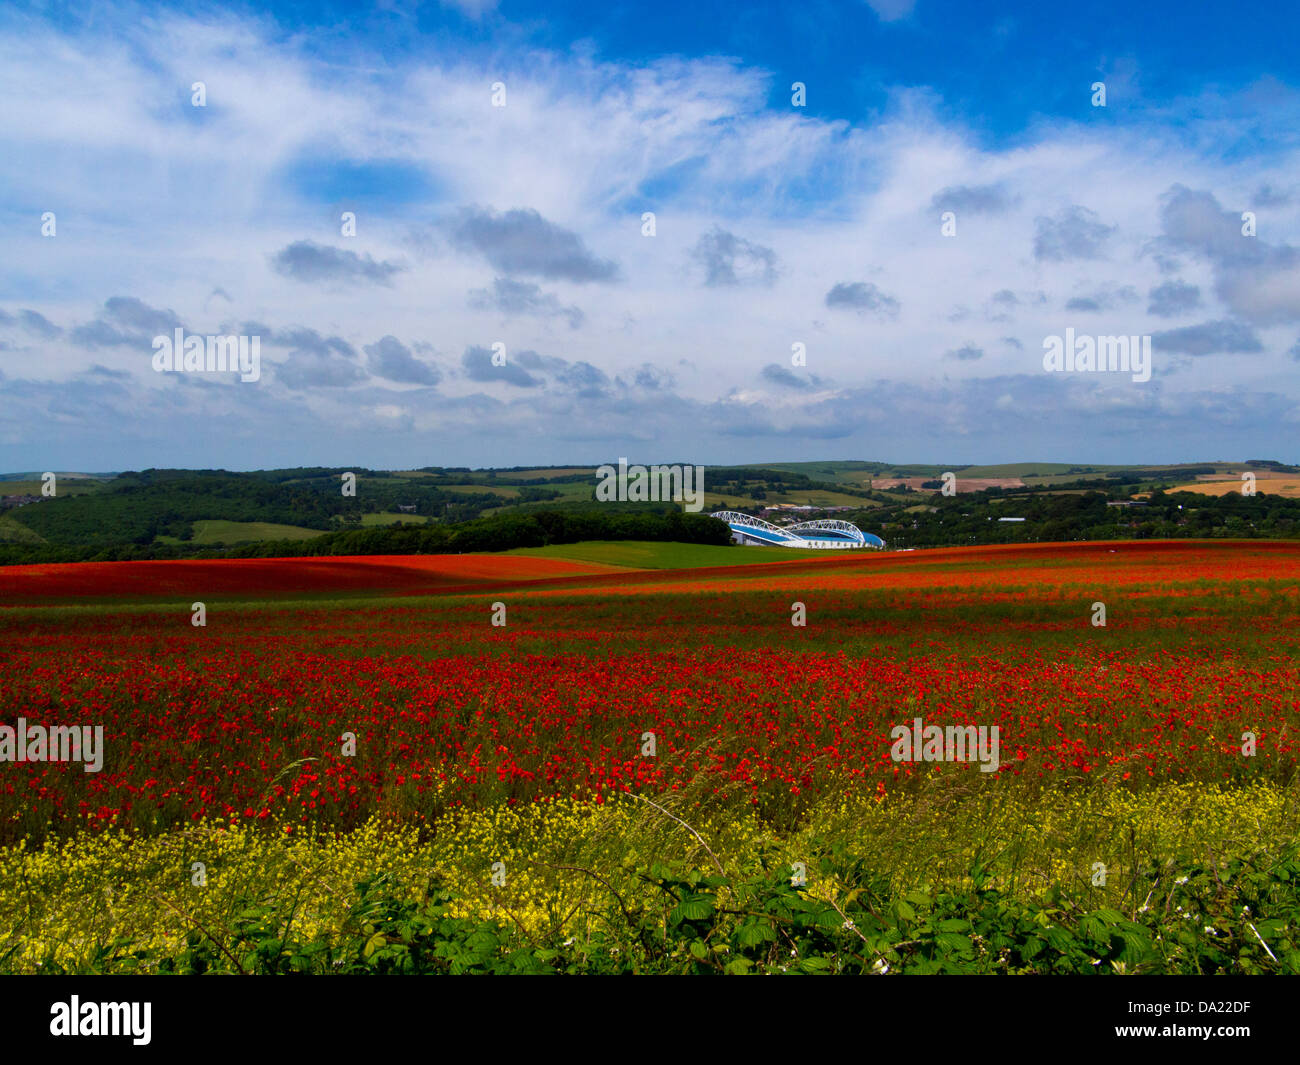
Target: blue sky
778	228
999	68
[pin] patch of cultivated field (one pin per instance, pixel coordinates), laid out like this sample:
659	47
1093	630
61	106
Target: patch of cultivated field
1274	484
13	531
219	531
95	583
648	555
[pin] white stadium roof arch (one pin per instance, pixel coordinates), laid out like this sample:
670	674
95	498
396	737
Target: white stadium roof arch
820	534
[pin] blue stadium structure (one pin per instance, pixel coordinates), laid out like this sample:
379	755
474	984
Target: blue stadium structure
824	534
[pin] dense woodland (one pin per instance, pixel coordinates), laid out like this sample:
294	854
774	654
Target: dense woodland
973	519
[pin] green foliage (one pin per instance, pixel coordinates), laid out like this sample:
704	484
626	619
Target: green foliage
537	529
500	533
1052	515
1240	917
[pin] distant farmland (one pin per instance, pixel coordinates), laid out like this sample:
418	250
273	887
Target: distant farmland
1274	484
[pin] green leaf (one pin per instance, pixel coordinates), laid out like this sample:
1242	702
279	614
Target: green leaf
693	907
754	933
952	943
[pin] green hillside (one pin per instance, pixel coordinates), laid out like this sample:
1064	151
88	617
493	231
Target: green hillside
641	554
245	532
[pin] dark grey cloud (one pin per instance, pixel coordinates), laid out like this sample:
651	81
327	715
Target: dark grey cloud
33	322
1072	233
1209	338
729	416
96	370
965	353
1192	220
126	320
40	325
862	296
302	339
1257	280
305	260
976	199
1268	196
1173	297
389	358
305	371
521	241
1014	343
787	378
652	378
99	334
477	363
132	313
579	378
543	363
1001	305
584	380
315	361
957	410
523	297
1104	299
728	259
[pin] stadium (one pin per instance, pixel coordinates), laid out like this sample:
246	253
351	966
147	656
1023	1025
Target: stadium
820	535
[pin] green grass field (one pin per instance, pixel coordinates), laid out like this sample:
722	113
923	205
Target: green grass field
558	471
244	532
818	497
388	517
505	491
574	492
13	531
64	485
640	554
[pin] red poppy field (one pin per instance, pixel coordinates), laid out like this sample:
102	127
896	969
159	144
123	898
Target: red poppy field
244	718
548	740
89	582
